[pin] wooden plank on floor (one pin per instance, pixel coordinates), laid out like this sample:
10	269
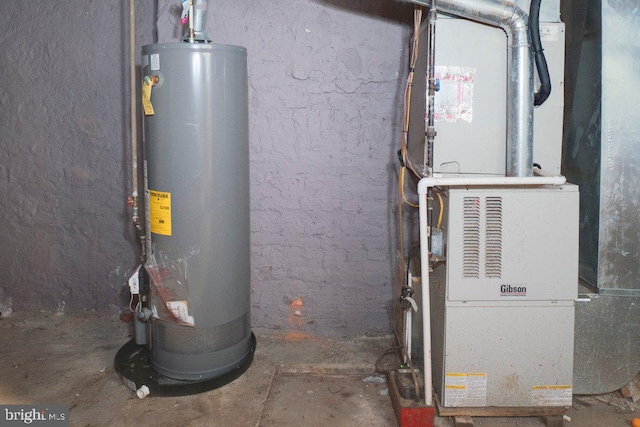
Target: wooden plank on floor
463	421
496	411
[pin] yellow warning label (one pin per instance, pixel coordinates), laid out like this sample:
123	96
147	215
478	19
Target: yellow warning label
146	98
160	212
551	387
551	395
465	389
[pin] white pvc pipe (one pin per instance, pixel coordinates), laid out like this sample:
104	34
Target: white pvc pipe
479	181
143	392
455	181
426	304
542	172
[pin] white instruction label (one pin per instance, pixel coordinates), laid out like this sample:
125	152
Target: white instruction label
551	395
549	32
181	311
454	100
155	62
465	389
134	282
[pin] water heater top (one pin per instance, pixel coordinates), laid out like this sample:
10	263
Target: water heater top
191	46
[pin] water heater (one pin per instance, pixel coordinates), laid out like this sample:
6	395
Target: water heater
194	316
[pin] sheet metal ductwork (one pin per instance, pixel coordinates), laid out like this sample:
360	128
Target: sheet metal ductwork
602	155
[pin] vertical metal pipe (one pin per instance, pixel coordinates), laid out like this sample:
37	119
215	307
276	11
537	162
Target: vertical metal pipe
520	100
135	216
197	19
192	33
431	90
511	18
134	98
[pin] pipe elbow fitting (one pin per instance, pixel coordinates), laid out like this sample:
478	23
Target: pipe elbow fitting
517	23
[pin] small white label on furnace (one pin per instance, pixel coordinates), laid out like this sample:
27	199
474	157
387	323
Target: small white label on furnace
465	389
155	62
551	395
549	32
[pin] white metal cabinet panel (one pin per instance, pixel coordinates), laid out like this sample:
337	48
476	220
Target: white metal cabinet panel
516	347
536	236
480	146
548	118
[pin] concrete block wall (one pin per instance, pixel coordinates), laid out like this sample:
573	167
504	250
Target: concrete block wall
325	86
65	239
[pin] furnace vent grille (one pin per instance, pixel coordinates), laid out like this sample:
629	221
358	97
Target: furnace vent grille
471	236
493	238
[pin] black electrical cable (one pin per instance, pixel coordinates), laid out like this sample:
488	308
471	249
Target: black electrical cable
385	371
155	21
541	61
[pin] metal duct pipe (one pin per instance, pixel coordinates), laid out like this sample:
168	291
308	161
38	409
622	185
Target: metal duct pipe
199	19
514	21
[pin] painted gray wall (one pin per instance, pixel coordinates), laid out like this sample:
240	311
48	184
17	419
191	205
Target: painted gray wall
325	85
65	240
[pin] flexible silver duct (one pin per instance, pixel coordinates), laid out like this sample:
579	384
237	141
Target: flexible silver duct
508	16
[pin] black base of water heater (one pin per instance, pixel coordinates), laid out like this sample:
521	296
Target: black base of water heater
133	364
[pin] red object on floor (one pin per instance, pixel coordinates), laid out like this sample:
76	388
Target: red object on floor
409	413
416	417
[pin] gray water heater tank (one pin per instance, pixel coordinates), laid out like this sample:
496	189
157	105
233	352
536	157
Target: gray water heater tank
196	161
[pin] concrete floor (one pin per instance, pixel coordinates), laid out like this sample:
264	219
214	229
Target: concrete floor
295	380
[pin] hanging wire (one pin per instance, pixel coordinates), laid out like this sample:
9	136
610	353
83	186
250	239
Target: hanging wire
441	210
402	198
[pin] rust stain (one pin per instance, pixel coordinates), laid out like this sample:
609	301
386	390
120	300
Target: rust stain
295	318
511	381
295	336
